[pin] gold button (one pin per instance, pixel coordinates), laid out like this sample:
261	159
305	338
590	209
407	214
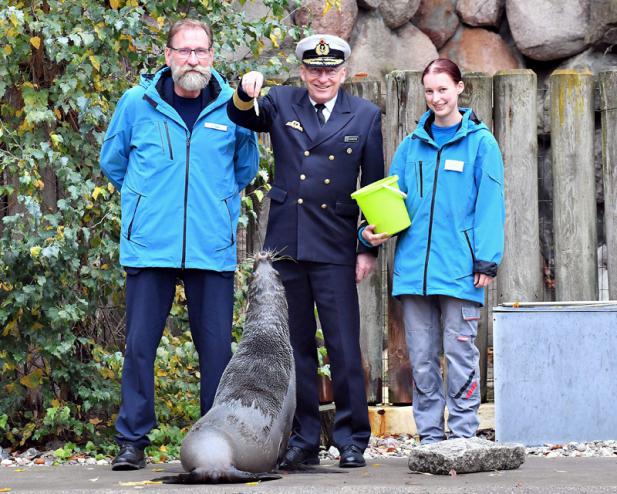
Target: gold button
326	181
324	206
306	153
302	176
300	201
348	150
331	157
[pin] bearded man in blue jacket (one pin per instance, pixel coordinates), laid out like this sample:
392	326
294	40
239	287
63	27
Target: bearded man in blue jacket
180	164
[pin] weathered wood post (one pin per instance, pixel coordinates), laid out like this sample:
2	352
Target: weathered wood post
371	290
608	108
478	95
574	201
520	273
405	104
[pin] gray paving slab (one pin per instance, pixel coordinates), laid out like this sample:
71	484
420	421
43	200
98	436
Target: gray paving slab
391	476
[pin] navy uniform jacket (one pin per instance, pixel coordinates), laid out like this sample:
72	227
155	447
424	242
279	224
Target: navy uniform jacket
312	215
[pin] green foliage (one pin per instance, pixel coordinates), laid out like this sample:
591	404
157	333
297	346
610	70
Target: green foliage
63	66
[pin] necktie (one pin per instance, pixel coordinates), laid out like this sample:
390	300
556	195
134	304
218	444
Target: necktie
320	116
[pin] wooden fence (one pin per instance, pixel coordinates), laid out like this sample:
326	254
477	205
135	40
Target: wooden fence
507	103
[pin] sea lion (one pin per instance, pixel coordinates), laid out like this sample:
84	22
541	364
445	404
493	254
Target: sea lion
244	434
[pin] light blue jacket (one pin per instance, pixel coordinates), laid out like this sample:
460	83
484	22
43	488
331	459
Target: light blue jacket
456	204
180	191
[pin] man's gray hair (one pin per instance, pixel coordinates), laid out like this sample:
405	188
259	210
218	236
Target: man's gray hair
189	24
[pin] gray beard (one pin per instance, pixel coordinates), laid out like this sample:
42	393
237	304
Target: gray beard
192	80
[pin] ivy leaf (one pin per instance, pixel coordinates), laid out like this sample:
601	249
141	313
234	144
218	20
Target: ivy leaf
95	62
36	42
32	380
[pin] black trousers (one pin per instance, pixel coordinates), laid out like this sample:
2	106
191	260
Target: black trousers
149	297
332	288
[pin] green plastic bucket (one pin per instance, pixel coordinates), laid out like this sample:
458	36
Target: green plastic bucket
383	205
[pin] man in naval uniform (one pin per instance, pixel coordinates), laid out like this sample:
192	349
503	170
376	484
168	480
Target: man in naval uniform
323	139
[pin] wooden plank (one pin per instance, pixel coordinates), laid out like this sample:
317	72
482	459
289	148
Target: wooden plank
608	109
405	104
520	272
478	95
371	290
574	201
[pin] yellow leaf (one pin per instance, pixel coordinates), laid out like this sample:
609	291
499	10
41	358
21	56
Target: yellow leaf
37	325
89	205
95	62
160	21
35	41
14	20
274	39
326	8
95	421
39	184
133	3
55	403
114	4
104	266
7	49
5	489
11	327
163	448
32	380
58	113
111	188
7	287
35	251
96	192
251	484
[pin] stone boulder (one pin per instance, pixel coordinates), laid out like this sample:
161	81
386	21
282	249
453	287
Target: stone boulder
549	30
368	4
466	456
335	21
481	13
480	50
377	50
437	19
603	24
397	12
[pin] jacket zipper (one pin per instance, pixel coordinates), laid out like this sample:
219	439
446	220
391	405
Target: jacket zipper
231	230
130	230
430	224
186	197
473	258
171	151
421	181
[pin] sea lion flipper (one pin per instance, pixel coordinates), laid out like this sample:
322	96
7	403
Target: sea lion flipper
235	475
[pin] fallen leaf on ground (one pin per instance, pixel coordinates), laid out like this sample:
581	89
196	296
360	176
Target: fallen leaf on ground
5	489
253	483
141	482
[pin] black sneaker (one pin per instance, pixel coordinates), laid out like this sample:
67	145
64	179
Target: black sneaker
129	458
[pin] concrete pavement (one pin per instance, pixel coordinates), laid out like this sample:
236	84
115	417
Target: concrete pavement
391	476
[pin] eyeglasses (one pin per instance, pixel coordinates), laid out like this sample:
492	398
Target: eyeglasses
200	53
330	73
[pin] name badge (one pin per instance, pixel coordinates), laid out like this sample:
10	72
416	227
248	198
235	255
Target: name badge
351	138
215	126
454	165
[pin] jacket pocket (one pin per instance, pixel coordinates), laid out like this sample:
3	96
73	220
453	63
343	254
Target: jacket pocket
420	179
277	194
132	205
168	138
347	209
229	214
473	257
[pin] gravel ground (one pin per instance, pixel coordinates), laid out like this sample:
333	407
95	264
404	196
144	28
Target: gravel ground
379	447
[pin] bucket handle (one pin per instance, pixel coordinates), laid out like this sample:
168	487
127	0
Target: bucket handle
395	190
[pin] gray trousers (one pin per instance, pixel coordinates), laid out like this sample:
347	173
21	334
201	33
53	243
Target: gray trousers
424	319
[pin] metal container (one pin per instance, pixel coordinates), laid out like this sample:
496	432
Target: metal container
555	371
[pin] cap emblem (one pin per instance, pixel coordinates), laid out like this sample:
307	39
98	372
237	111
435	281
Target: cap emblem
322	48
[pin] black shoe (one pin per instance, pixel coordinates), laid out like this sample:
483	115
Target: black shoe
295	456
351	457
130	458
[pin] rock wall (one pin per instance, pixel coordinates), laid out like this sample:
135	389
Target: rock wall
479	35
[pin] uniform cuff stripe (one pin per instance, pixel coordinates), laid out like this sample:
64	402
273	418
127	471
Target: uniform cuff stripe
242	105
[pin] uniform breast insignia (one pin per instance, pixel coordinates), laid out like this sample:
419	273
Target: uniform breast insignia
294	124
351	138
